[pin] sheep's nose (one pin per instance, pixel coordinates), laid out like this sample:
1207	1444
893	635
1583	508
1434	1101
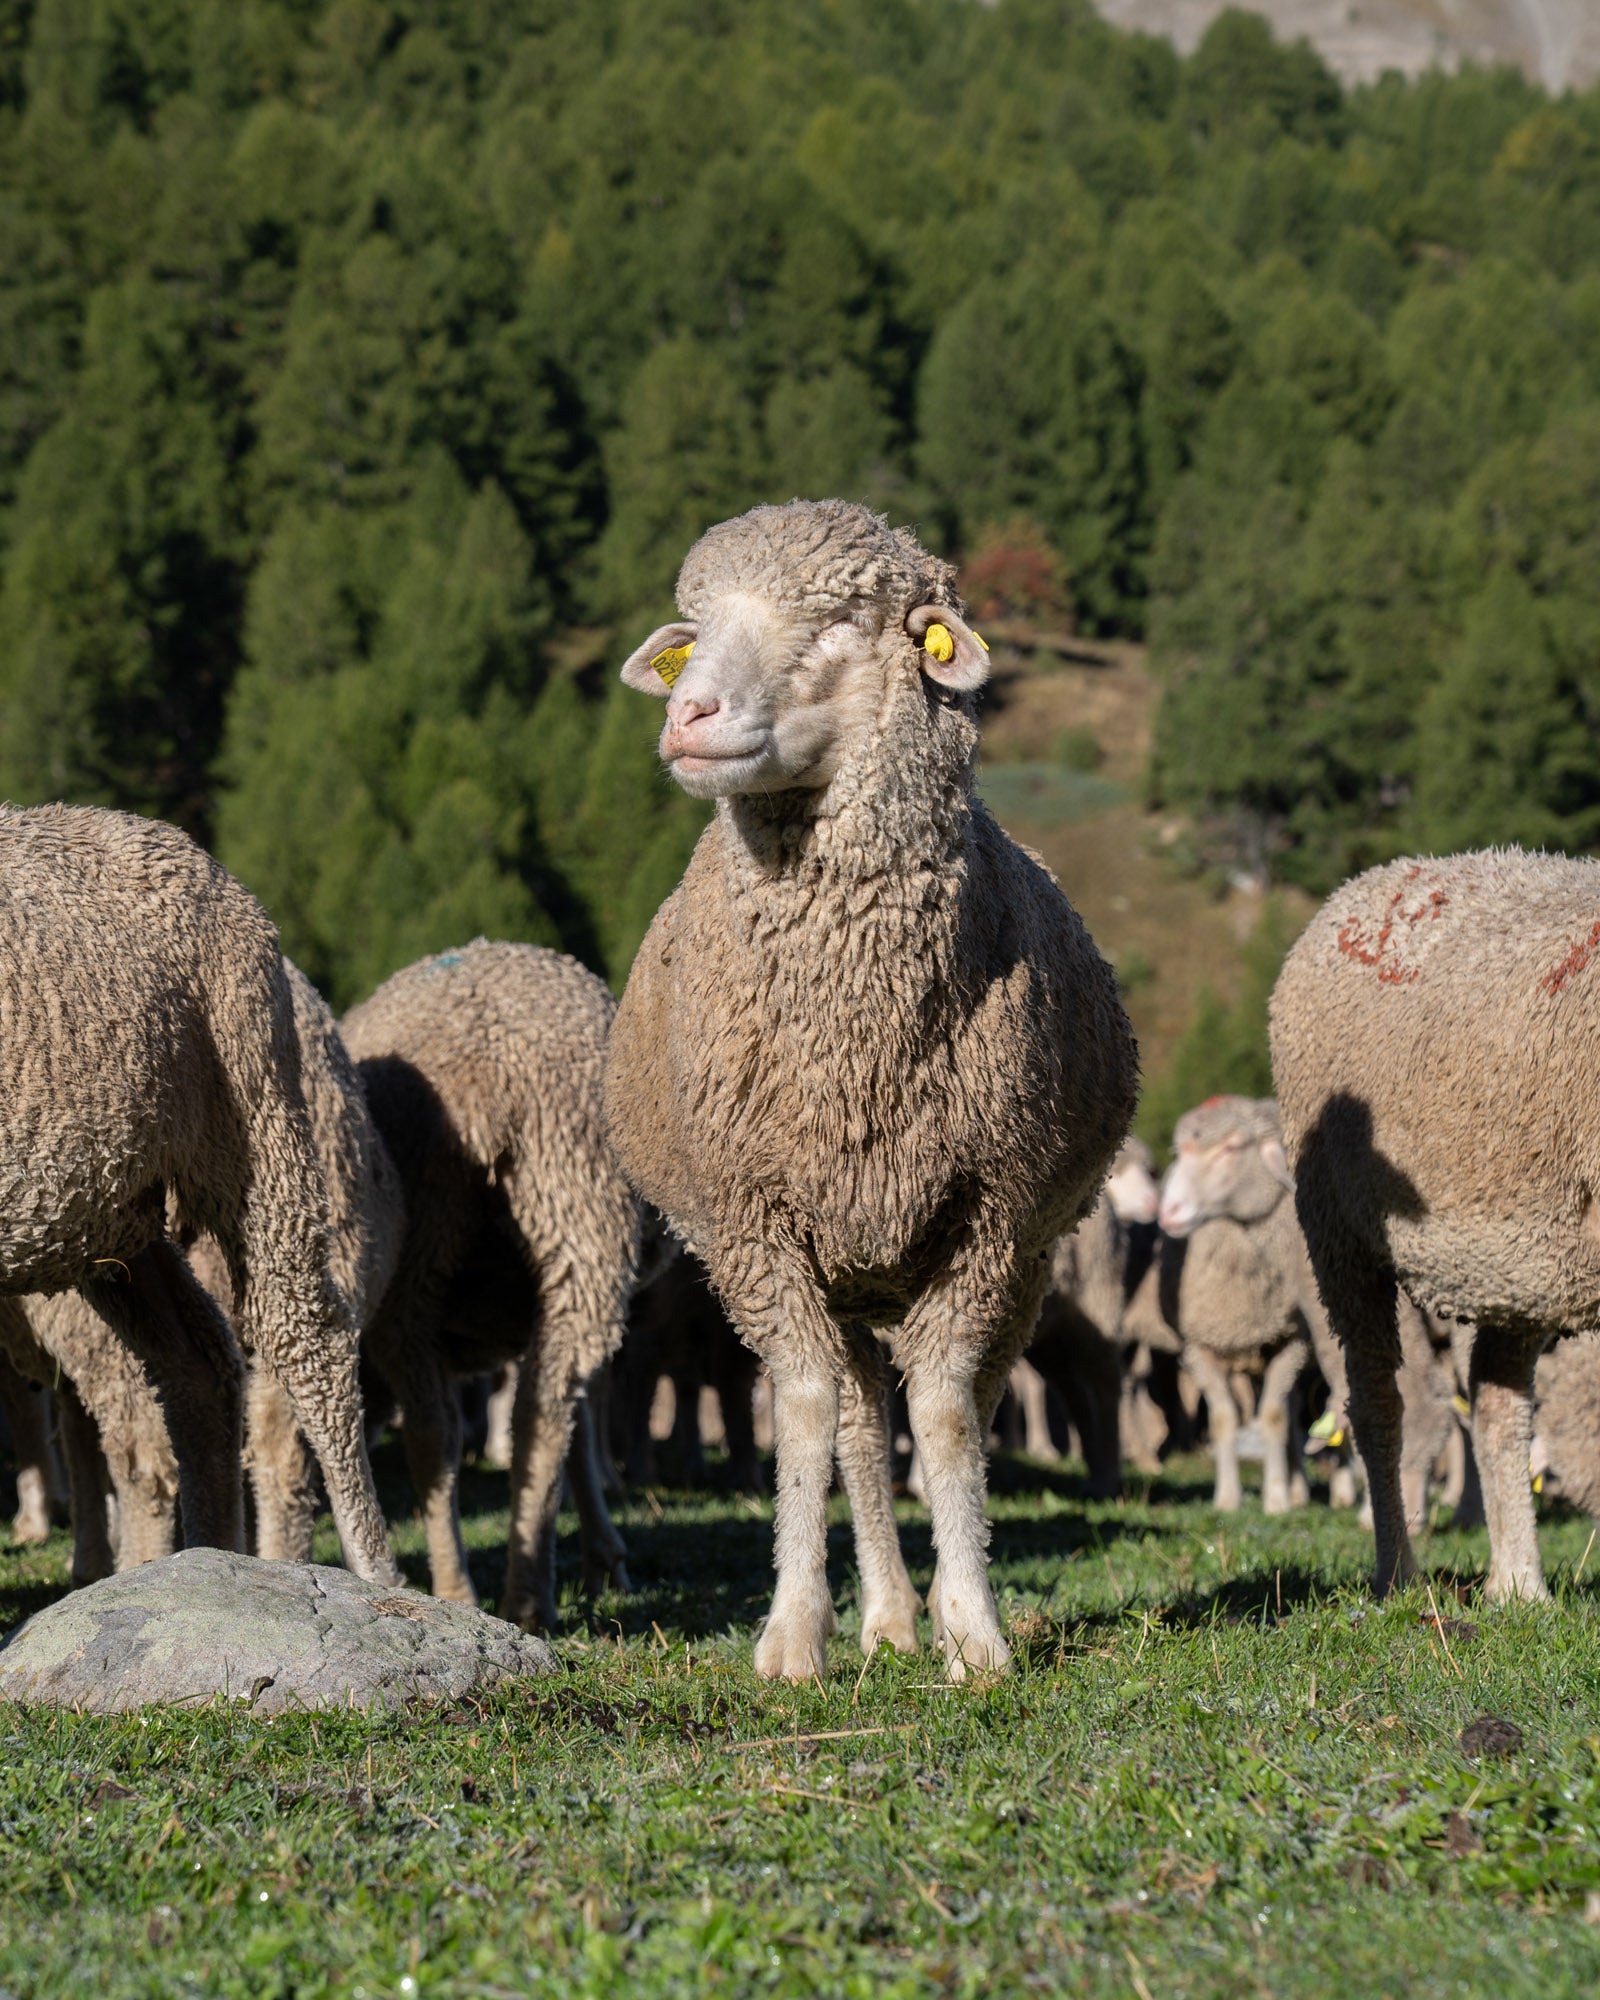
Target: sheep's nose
683	709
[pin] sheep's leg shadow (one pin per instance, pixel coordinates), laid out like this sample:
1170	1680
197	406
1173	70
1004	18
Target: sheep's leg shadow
889	1602
173	1326
1211	1377
1273	1417
954	1381
1500	1387
1362	1303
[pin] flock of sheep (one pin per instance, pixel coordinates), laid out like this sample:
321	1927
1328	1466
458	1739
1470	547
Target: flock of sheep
870	1069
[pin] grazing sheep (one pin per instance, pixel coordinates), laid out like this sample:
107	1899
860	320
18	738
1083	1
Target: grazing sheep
868	1061
482	1068
148	1057
1433	1037
1077	1345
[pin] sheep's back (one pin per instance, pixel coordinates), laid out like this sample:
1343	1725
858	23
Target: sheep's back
137	1028
1434	1044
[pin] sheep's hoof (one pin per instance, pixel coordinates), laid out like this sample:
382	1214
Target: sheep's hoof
1517	1587
974	1653
606	1573
892	1622
794	1645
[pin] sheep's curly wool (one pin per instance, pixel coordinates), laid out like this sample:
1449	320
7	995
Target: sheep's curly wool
1436	1044
147	1053
869	1061
483	1071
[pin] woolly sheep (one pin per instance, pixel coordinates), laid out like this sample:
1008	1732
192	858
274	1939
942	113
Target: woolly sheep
1077	1345
1433	1042
868	1061
482	1068
148	1051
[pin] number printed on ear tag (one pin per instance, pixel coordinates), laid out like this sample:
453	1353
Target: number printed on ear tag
671	662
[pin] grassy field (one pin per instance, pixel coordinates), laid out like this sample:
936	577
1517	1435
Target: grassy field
1217	1768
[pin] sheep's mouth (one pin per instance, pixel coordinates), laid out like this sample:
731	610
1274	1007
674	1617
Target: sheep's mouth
710	773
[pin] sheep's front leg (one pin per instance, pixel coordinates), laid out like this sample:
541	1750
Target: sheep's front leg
805	1416
605	1554
1273	1418
889	1603
953	1388
1500	1385
1222	1413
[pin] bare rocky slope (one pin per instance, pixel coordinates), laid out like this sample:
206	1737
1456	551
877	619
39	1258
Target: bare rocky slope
1555	42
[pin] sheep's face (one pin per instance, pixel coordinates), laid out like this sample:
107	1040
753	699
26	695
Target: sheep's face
796	620
1131	1185
1230	1162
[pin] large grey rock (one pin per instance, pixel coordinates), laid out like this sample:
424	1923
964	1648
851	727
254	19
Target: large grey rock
207	1624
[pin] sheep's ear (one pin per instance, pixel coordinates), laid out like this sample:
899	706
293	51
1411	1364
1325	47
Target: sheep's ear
1276	1161
655	665
953	654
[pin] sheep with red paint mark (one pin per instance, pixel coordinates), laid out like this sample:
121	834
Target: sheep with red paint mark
1437	1089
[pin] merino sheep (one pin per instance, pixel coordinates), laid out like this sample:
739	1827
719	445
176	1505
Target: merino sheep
41	1486
148	1054
1077	1345
868	1061
483	1068
1433	1039
1566	1440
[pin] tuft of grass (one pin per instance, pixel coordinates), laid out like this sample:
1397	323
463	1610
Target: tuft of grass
1217	1767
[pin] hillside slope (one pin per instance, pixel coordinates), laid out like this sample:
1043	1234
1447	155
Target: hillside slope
1554	42
1169	933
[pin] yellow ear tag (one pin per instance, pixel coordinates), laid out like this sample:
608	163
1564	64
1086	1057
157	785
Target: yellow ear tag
937	640
670	663
982	641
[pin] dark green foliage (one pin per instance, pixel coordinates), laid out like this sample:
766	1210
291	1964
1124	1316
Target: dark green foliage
365	372
1224	1047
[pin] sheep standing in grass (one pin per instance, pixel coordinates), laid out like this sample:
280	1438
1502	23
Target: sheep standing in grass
868	1061
1237	1284
482	1068
147	1055
1077	1345
1434	1045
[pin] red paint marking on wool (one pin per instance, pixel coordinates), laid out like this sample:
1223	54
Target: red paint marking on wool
1576	961
1354	942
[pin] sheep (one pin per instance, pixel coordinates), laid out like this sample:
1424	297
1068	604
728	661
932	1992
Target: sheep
148	1051
482	1068
1077	1344
41	1486
1236	1284
1432	1036
868	1061
1566	1440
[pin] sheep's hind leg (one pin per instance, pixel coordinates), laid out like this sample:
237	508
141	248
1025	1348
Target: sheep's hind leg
282	1477
889	1602
92	1554
1500	1385
605	1554
174	1327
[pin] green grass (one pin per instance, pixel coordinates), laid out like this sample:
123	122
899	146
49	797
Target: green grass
1217	1768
